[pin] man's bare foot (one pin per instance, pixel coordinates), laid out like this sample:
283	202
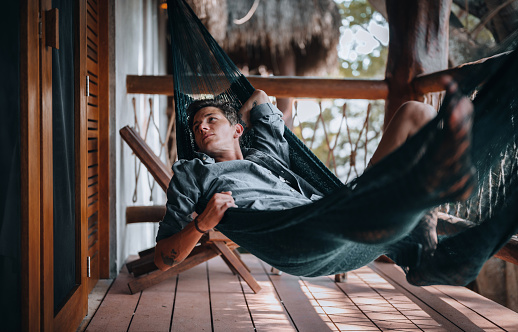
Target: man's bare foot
425	233
452	176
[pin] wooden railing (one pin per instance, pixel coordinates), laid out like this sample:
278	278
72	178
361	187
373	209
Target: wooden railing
278	86
323	88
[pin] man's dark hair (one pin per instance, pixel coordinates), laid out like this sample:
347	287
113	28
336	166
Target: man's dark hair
228	110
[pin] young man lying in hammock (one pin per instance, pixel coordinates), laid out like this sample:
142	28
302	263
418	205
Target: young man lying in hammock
259	178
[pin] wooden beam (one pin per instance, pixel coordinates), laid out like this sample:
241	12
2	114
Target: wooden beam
30	164
304	87
153	213
278	86
155	166
160	85
426	83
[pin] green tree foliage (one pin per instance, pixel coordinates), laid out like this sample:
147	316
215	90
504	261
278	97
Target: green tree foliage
361	21
351	142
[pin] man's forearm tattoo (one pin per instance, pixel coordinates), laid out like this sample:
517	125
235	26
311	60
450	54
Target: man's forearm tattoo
254	104
170	259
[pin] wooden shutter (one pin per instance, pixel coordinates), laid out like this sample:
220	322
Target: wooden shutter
98	143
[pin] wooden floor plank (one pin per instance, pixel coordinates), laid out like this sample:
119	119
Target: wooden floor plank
116	310
192	307
300	304
267	311
485	313
155	307
446	315
229	309
344	313
374	298
402	304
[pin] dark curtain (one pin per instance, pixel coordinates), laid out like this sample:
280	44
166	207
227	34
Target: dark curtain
10	186
63	158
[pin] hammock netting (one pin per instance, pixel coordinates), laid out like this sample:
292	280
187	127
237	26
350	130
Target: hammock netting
372	215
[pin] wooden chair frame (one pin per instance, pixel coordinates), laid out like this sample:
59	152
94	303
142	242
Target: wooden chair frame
211	245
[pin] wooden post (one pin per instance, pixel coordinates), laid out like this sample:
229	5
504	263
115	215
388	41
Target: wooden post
418	44
30	164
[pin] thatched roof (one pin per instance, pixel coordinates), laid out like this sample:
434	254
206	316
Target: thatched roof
308	28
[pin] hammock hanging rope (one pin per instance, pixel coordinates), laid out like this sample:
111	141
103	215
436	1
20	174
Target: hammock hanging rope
370	216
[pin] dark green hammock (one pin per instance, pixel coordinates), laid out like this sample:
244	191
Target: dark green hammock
372	215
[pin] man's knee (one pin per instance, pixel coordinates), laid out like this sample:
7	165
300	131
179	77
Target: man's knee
416	114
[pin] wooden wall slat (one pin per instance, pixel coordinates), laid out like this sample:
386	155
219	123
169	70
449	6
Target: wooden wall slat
92	7
92	171
92	220
93	101
92	158
91	52
92	209
93	74
92	37
93	134
93	111
93	47
92	238
93	125
92	199
91	21
94	88
92	68
92	190
92	180
92	144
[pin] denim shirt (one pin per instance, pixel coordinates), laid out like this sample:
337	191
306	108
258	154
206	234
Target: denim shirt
261	181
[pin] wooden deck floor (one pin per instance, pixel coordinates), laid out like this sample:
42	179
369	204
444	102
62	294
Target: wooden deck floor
374	298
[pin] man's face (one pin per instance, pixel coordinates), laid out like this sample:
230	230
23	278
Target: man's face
213	133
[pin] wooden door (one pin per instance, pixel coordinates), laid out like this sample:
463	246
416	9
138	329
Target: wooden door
42	53
91	159
69	229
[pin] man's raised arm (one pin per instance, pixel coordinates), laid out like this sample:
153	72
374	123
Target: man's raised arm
268	126
258	97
